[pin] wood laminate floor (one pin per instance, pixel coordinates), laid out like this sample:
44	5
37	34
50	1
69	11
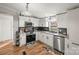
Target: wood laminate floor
37	48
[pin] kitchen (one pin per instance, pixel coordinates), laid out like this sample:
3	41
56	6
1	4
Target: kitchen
56	28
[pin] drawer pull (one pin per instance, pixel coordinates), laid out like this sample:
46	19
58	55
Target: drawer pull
76	44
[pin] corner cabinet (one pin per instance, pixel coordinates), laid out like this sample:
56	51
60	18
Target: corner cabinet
22	20
46	38
42	23
35	22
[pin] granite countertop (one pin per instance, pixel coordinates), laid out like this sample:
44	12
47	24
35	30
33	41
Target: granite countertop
53	33
47	32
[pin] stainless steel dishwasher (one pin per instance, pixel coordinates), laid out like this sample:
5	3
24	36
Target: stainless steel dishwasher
59	43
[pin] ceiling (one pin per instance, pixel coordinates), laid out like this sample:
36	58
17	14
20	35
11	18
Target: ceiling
41	9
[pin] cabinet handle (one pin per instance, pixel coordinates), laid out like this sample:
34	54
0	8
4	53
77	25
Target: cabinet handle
76	44
47	37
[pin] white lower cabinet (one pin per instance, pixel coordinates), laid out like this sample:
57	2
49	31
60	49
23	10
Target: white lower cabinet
46	38
71	47
41	36
66	50
49	40
37	36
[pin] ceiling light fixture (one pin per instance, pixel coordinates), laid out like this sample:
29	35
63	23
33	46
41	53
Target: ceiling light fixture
26	13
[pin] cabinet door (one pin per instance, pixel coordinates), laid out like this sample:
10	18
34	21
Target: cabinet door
50	40
73	48
62	20
66	51
45	38
37	36
40	36
42	22
36	22
22	20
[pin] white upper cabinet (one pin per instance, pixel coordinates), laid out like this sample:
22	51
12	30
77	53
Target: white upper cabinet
35	22
42	23
23	19
49	40
61	20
